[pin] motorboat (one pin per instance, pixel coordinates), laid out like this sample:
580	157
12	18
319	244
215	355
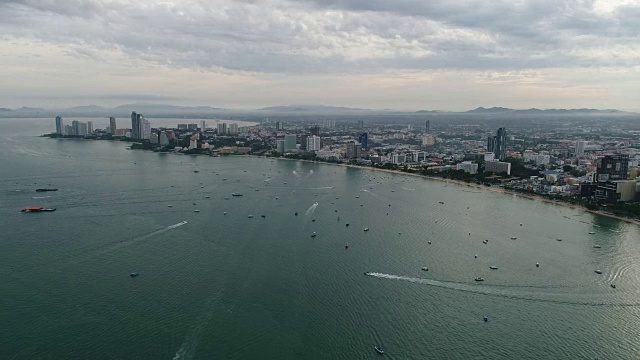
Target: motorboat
558	239
429	242
313	220
367	273
513	238
263	216
225	213
485	318
296	214
478	279
347	224
133	274
314	234
591	232
379	350
169	205
366	229
485	241
250	216
597	246
346	246
42	190
196	210
613	286
537	265
234	194
424	268
196	171
493	267
36	209
598	271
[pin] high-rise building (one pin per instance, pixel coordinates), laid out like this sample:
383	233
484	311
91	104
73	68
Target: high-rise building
427	127
364	140
498	144
75	127
612	167
146	129
497	167
289	142
313	143
154	138
192	127
68	130
303	142
315	130
163	139
59	126
89	127
353	150
468	167
203	125
580	145
233	129
360	124
280	146
279	125
136	125
428	140
222	128
112	125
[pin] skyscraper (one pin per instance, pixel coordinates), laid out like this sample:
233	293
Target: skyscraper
146	129
313	143
59	126
136	125
203	125
580	145
360	124
289	142
112	125
351	150
279	125
427	128
89	127
498	144
364	140
222	128
315	130
304	139
612	167
233	129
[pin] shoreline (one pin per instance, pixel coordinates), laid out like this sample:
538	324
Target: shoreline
473	185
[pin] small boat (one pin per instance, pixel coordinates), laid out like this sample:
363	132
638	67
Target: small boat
520	224
379	350
424	268
207	197
478	279
367	273
493	267
225	213
313	220
169	205
36	209
296	214
250	216
263	216
366	229
41	190
475	256
133	274
346	246
537	265
347	224
591	232
485	241
441	202
224	179
357	197
598	271
513	238
234	194
196	210
314	234
196	171
226	198
597	246
613	286
558	239
485	318
429	242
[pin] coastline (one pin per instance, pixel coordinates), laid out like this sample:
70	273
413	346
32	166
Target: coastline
473	185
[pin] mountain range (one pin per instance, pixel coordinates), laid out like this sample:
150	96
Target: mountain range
164	110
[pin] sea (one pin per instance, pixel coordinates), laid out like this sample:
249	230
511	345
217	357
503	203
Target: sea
243	278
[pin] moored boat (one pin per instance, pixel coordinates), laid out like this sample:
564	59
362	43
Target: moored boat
36	209
41	190
379	350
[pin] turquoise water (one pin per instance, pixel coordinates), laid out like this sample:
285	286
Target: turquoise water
233	287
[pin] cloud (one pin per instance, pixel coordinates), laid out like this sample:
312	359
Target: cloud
336	36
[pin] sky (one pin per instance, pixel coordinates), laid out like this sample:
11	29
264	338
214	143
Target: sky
377	54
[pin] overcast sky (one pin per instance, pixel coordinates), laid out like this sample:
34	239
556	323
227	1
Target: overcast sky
398	54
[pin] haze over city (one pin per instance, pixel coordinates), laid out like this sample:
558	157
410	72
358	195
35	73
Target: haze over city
404	55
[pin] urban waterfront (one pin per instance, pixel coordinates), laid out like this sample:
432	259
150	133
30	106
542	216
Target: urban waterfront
212	285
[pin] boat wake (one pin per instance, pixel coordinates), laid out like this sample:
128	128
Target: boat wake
312	209
40	197
370	192
544	294
295	173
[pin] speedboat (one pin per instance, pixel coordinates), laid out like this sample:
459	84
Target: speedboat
424	268
367	273
493	267
598	271
479	279
379	350
36	209
314	234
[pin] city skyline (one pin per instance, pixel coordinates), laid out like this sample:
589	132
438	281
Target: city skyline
404	55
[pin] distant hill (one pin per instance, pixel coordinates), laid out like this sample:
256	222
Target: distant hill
430	112
311	109
5	110
534	111
85	108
